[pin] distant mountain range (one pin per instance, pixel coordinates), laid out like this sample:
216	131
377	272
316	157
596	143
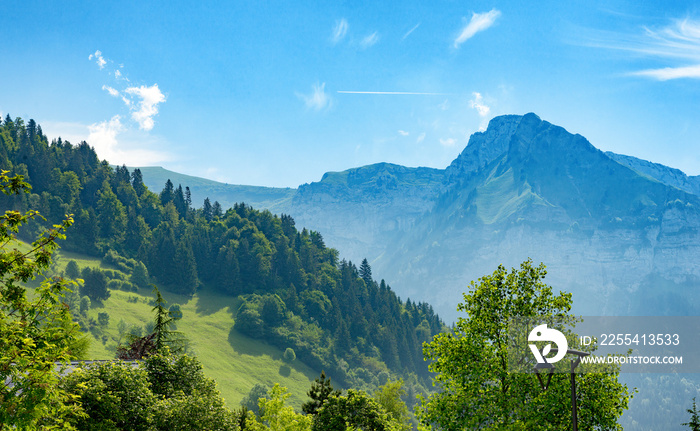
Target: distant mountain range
621	233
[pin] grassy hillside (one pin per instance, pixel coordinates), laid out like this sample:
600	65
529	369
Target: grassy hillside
235	361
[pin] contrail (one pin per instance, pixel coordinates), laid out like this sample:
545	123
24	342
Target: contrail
402	93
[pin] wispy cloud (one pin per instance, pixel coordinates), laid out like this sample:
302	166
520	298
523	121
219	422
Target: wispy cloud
318	99
408	33
340	30
477	102
110	90
369	40
678	42
395	93
99	59
147	106
667	73
420	138
478	22
448	142
403	133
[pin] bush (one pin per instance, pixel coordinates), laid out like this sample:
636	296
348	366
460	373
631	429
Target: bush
103	319
115	285
289	355
84	305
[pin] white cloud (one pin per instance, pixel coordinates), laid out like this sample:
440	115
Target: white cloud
110	90
420	138
369	40
340	30
445	105
99	59
479	22
403	133
147	107
408	33
103	136
449	142
317	99
478	103
667	73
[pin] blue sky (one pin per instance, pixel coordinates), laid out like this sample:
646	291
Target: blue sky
277	93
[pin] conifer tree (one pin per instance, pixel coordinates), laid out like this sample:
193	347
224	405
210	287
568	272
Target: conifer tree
366	272
137	182
207	210
216	209
168	193
321	390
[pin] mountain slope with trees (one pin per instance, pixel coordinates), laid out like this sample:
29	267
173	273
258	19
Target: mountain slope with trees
294	291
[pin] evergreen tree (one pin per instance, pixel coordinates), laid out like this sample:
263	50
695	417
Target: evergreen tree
188	197
216	210
163	322
207	210
366	272
168	193
179	201
137	182
321	390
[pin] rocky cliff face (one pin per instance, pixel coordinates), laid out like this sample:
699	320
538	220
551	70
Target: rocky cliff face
360	210
622	242
621	233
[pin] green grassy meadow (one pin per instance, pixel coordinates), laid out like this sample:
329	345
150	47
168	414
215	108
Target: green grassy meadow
235	361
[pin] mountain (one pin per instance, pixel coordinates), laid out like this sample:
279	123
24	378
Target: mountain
669	176
620	233
272	198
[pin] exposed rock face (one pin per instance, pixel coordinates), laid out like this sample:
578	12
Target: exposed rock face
621	233
622	242
358	211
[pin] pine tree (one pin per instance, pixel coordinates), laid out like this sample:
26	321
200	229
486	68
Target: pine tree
321	390
216	210
366	272
162	323
137	182
179	201
168	193
207	210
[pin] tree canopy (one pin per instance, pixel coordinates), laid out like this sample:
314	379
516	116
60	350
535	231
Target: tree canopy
476	390
34	333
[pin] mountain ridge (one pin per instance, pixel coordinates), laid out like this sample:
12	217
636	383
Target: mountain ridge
522	188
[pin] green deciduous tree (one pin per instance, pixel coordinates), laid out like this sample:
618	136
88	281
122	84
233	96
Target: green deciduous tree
275	416
476	391
356	410
34	333
694	423
389	397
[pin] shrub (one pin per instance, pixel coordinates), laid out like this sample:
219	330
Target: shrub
289	355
